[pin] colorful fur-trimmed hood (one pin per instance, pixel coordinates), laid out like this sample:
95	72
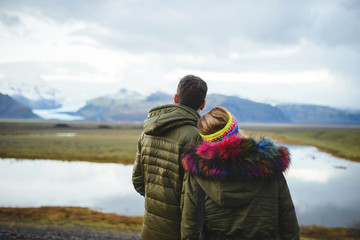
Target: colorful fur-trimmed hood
236	158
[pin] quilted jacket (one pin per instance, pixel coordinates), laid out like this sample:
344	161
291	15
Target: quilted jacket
157	172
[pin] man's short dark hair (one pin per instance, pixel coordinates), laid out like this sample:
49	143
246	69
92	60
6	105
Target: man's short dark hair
191	91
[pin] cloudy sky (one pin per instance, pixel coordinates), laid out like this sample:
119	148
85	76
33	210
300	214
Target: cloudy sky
266	50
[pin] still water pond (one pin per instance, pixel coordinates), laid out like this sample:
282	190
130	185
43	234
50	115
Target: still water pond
104	187
325	189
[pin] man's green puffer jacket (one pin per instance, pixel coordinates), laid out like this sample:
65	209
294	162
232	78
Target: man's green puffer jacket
246	194
157	172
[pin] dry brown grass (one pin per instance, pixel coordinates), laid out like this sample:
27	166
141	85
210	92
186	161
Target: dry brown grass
68	216
77	216
319	232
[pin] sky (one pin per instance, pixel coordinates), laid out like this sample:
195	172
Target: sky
273	51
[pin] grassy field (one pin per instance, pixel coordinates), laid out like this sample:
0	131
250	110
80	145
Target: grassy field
91	142
116	143
76	216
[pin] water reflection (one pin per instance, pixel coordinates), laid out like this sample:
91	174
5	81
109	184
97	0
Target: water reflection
105	187
324	188
310	175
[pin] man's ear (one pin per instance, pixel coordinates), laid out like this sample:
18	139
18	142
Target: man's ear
203	105
175	98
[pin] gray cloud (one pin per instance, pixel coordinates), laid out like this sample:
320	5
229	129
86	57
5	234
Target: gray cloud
208	25
36	68
319	34
9	20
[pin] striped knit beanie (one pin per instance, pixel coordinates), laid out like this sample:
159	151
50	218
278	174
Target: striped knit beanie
231	128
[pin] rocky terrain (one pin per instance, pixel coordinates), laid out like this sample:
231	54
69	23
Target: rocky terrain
41	232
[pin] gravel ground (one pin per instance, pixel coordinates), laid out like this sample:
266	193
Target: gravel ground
36	232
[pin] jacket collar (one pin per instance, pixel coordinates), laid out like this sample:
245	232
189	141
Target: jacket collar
164	118
236	158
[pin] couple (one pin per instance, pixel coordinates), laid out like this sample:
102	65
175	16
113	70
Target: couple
180	154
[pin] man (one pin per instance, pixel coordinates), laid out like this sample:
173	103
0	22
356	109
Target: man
157	173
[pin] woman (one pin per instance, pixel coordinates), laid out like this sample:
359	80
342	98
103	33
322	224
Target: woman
246	194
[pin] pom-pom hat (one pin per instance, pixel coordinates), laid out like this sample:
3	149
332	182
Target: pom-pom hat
231	128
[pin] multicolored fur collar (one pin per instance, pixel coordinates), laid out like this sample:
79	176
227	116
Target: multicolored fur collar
236	158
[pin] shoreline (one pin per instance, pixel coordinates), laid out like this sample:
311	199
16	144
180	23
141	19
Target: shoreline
293	135
321	149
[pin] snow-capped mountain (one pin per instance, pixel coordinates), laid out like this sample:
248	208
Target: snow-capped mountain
35	96
125	94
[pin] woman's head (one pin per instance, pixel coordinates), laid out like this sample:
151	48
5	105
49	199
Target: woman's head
217	124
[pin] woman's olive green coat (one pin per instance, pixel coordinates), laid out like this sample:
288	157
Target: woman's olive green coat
157	172
246	194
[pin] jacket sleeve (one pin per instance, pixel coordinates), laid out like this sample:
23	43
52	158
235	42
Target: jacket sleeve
193	139
137	174
288	224
188	221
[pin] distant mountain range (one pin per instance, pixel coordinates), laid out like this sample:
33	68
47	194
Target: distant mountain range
246	110
124	106
129	106
9	108
314	114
